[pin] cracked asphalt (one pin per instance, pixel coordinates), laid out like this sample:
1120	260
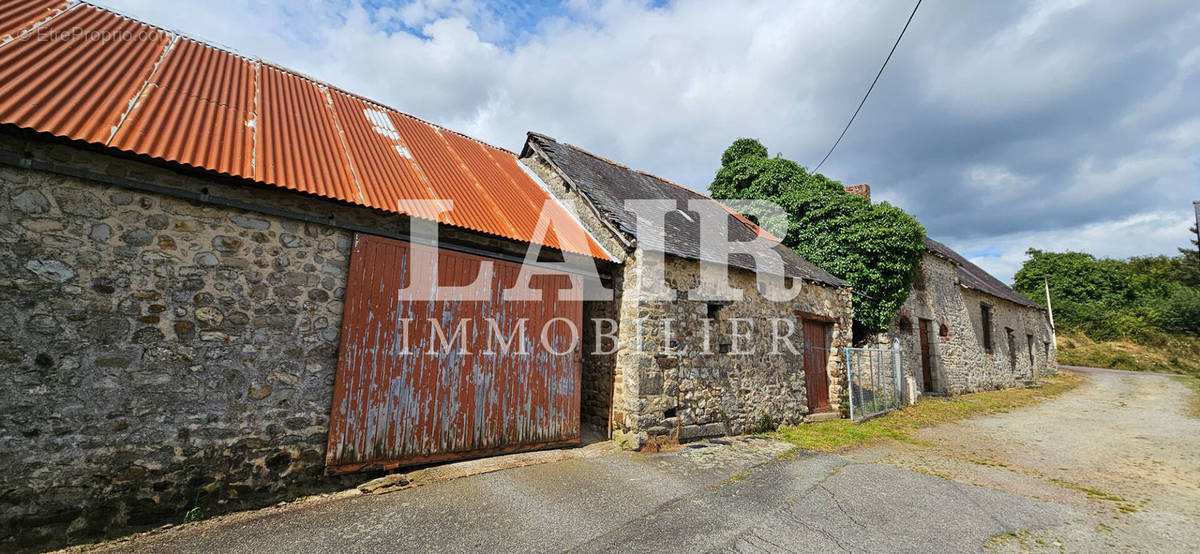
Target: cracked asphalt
727	495
1111	465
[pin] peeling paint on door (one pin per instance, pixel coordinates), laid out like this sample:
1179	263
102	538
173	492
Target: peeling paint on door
404	396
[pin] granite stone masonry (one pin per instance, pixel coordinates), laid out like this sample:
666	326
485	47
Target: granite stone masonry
668	384
676	384
1021	342
160	355
599	364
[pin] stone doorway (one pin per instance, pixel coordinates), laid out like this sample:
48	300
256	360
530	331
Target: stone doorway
816	362
923	328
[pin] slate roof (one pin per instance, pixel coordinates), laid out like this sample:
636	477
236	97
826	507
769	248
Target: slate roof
974	277
608	185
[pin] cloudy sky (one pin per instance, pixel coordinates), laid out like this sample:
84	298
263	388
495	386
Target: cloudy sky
1000	125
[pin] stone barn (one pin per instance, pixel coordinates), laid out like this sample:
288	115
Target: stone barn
963	330
689	367
203	256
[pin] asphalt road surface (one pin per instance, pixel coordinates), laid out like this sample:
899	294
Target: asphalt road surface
1015	481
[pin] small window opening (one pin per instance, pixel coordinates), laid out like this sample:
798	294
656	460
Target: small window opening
669	412
1010	337
985	315
905	324
714	309
943	330
723	348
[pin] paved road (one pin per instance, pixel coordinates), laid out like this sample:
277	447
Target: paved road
692	499
1122	449
738	497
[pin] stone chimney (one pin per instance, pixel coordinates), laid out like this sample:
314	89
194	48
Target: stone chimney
863	190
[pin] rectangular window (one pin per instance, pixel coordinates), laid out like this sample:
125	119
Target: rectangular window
1011	340
985	315
714	309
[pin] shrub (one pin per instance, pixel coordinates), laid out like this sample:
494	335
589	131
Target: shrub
877	248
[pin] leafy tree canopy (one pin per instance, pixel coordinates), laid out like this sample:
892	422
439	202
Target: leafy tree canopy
1189	270
1109	299
877	248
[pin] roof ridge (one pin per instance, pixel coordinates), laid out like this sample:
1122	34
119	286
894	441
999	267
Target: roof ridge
745	221
963	264
614	182
621	165
259	59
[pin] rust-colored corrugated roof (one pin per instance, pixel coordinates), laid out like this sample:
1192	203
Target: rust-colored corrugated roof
83	72
16	15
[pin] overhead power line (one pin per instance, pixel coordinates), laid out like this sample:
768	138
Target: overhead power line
872	87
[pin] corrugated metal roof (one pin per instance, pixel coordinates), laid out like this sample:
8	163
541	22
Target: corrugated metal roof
16	15
111	80
201	93
78	87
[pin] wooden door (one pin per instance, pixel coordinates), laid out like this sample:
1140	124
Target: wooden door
926	361
816	359
400	398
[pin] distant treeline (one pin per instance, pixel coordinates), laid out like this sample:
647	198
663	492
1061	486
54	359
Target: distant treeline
1109	299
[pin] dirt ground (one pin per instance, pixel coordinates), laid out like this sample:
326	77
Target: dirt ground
1121	449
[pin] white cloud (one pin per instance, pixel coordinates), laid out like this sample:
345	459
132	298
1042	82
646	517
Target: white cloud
995	123
997	183
1144	234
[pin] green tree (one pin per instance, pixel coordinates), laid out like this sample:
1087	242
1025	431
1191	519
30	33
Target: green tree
877	248
1189	266
1109	299
1073	277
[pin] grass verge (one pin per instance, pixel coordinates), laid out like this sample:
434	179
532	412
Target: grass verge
830	436
1194	384
1159	353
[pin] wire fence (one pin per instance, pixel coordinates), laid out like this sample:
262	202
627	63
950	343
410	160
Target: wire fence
876	382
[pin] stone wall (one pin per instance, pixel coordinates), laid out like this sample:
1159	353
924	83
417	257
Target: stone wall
662	389
959	362
671	385
596	383
160	354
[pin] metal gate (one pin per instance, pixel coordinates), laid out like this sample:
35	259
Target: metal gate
876	382
406	392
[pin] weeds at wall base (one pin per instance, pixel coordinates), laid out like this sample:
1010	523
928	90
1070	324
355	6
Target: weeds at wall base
900	425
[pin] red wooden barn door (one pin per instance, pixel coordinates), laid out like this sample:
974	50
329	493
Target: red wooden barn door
402	398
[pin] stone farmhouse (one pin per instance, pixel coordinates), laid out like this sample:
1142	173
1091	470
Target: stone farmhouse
202	256
206	258
963	330
227	284
688	382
